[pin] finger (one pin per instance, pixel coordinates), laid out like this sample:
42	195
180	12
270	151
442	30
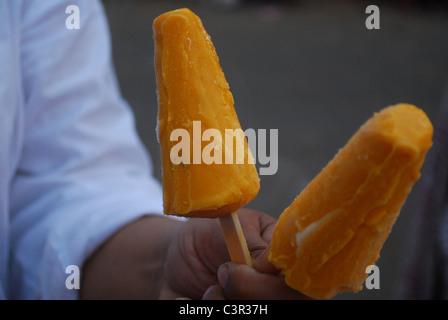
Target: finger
267	225
214	292
242	282
257	228
262	264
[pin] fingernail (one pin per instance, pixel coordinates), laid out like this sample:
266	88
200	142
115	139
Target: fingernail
204	296
223	274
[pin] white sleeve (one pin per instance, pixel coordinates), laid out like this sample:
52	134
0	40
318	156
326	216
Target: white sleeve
84	173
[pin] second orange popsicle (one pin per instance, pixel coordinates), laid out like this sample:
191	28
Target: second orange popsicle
325	240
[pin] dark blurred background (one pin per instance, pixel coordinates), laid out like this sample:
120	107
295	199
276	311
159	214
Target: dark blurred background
310	69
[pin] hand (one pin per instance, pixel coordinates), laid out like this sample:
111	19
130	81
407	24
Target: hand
156	257
198	266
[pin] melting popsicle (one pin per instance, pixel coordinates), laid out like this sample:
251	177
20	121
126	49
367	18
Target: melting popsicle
336	227
207	168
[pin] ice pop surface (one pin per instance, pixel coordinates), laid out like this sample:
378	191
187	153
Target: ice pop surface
191	87
336	227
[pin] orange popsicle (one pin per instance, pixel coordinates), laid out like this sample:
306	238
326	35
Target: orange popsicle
192	87
325	240
215	174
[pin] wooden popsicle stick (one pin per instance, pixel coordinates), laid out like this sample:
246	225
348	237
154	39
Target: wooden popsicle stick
235	240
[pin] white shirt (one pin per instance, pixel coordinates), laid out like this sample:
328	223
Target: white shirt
72	169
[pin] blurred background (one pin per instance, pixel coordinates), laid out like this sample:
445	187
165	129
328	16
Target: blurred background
310	69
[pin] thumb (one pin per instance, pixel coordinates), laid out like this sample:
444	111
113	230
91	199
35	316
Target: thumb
243	282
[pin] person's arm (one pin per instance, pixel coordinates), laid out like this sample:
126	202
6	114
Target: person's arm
83	172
